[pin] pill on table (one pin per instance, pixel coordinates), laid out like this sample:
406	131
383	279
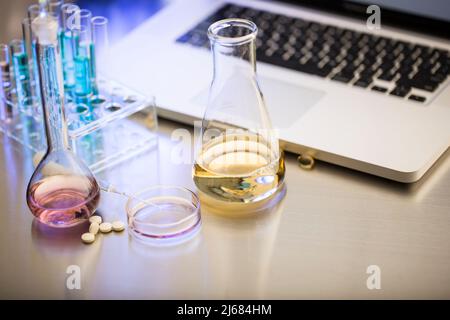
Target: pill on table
105	227
94	227
88	237
118	226
96	219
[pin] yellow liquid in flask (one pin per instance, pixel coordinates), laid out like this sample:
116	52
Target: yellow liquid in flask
239	169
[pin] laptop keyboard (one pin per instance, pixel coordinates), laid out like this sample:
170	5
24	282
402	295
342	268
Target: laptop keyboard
380	64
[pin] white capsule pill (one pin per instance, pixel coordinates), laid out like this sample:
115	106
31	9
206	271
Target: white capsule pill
94	227
105	227
88	237
96	219
118	226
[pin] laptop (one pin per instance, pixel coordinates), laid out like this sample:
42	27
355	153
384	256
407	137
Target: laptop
374	100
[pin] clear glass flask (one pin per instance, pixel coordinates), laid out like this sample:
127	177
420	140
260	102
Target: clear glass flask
62	191
238	155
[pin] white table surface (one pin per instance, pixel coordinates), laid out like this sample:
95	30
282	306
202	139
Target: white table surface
317	243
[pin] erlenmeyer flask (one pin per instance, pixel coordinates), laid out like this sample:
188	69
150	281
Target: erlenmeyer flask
239	159
62	191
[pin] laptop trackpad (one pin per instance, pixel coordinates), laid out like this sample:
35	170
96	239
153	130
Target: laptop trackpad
286	102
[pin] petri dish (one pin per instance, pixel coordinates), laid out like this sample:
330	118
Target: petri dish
163	215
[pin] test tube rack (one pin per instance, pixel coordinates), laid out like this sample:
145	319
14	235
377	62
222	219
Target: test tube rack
113	134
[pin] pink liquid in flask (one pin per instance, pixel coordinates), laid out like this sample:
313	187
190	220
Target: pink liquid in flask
63	200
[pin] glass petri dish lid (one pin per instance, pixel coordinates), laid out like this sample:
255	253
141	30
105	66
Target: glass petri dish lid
163	215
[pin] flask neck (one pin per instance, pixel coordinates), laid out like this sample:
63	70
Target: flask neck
233	43
235	58
52	96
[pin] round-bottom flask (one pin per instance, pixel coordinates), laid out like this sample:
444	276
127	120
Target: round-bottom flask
62	191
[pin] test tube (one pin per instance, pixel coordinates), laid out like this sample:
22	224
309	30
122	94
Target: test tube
30	48
6	85
5	65
67	53
21	74
54	7
99	53
80	25
28	38
33	11
2	106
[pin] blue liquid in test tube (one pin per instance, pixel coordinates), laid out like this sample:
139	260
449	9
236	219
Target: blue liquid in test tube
21	74
68	21
82	71
82	41
30	49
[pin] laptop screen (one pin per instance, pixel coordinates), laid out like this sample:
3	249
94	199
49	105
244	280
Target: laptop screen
427	16
434	9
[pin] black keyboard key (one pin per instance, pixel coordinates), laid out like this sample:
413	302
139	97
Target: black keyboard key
332	63
325	71
403	80
408	61
443	70
426	54
386	66
389	57
417	98
400	91
379	89
368	61
184	38
423	82
427	86
438	77
311	68
349	69
363	83
387	75
342	78
367	73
